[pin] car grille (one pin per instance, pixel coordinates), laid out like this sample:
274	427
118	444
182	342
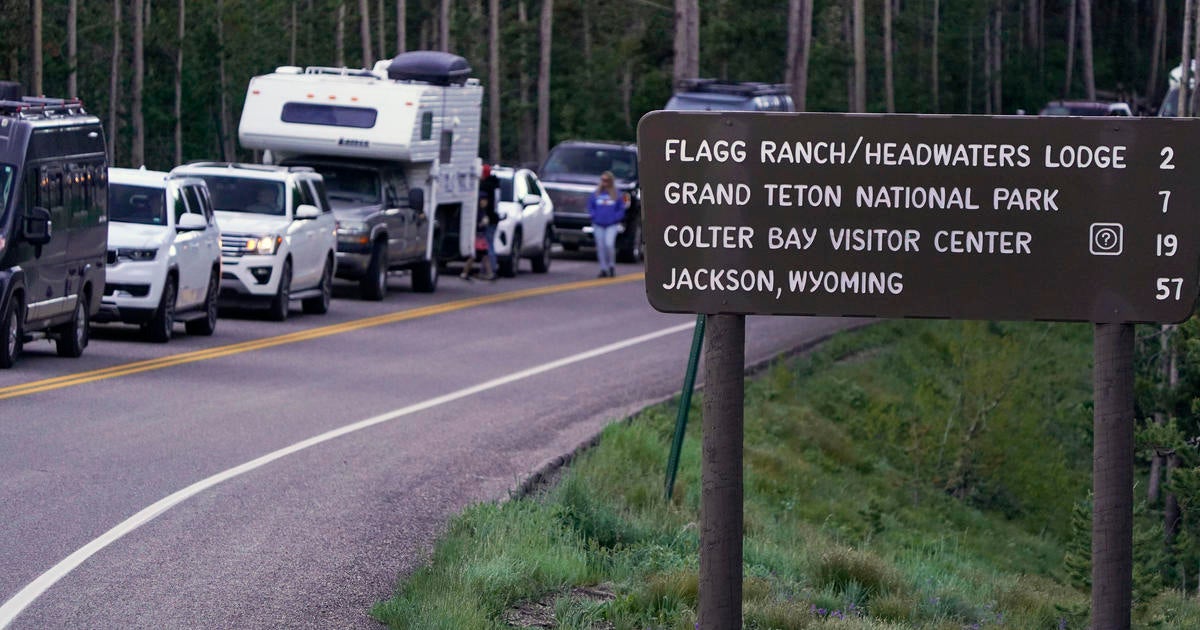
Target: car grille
233	245
570	201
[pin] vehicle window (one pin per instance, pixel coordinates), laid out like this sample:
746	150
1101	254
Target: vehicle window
506	189
531	187
358	185
301	195
237	194
318	191
136	204
395	189
205	203
178	204
195	201
329	115
591	161
6	180
1170	103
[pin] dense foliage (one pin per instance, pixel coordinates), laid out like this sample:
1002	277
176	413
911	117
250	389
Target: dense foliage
612	59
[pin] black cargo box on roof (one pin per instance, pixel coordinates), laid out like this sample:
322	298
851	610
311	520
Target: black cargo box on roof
11	91
430	66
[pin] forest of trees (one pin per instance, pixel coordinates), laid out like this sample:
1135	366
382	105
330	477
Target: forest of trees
168	77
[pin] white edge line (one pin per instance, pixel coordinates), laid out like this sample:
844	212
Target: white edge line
27	595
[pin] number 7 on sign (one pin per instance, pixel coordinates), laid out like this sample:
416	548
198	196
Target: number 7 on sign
1166	195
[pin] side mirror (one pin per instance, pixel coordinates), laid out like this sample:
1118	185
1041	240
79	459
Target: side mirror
36	226
416	199
307	211
190	222
531	200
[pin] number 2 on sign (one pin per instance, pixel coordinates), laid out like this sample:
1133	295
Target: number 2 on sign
1167	154
1166	195
1164	288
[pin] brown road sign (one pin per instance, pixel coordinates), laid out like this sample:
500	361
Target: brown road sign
967	217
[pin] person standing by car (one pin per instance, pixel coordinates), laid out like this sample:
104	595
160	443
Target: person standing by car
489	188
606	207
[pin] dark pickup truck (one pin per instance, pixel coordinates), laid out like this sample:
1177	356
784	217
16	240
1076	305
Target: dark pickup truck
572	171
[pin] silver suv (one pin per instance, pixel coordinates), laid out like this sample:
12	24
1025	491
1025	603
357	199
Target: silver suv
278	235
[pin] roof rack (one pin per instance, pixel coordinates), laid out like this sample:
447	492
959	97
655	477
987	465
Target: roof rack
265	168
41	107
344	72
745	88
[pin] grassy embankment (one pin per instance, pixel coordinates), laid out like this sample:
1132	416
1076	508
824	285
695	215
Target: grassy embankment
909	475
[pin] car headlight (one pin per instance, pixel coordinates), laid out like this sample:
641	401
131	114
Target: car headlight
136	254
353	232
264	245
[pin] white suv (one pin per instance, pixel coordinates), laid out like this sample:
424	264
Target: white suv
164	254
278	235
526	226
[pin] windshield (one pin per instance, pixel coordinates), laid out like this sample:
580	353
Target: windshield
238	194
137	204
351	184
591	161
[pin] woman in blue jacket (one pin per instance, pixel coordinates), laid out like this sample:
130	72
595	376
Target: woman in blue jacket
606	206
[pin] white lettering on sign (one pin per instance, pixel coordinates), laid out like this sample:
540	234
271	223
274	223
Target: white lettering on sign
982	242
874	240
794	239
915	197
807	152
1044	199
859	282
693	194
709	236
715	151
762	280
803	195
1083	156
922	154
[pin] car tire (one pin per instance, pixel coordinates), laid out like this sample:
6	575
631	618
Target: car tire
541	262
373	285
278	311
13	334
510	264
73	335
162	323
425	276
632	250
208	324
320	305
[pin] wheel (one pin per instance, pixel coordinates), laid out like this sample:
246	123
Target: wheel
13	335
320	305
162	324
208	325
631	252
541	263
278	310
509	264
425	276
373	286
73	335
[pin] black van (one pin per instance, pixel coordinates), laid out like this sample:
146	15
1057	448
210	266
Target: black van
53	223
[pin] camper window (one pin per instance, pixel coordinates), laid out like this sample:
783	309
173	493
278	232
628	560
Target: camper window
329	115
447	147
427	126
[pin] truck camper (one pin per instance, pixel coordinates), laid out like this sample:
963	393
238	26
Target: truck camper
399	148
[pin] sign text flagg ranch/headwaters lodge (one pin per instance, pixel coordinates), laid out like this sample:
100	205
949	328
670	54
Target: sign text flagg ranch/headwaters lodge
968	217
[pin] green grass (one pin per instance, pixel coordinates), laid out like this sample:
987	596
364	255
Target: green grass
908	475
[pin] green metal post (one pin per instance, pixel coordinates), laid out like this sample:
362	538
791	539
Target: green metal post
685	403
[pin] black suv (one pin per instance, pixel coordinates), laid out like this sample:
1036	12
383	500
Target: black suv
571	173
53	223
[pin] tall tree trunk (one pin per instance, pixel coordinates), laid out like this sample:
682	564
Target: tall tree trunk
1160	22
114	84
380	29
364	30
339	37
73	48
889	86
1085	45
444	26
1031	24
987	64
1188	75
860	58
1186	64
693	37
545	32
799	47
494	81
526	134
294	28
998	58
934	79
401	26
1071	29
181	33
138	155
585	12
227	146
681	64
1166	352
35	45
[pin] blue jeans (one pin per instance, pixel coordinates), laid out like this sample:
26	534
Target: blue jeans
489	233
606	244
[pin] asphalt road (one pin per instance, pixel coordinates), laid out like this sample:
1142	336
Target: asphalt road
466	391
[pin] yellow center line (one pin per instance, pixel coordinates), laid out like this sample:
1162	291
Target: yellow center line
125	369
